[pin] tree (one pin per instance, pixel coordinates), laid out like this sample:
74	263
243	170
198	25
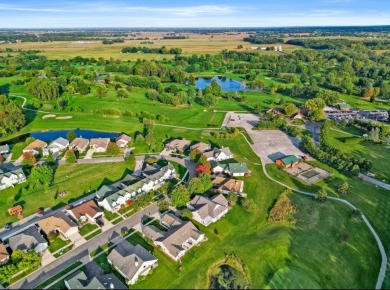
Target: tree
232	198
163	205
191	80
321	195
343	123
209	100
195	155
70	157
186	214
180	196
28	159
130	161
290	109
122	93
248	204
374	134
11	116
195	186
71	135
203	169
42	174
112	149
101	90
206	181
343	188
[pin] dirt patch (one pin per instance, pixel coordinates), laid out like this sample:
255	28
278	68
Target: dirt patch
64	117
49	116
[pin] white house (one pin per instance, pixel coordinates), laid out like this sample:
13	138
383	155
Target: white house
99	144
56	146
131	261
208	210
10	178
4	149
87	211
112	198
123	140
219	154
177	241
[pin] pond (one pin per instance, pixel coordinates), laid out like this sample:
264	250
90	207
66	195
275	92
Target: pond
227	277
227	84
88	134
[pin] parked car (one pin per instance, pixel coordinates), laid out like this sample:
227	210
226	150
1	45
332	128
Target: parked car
100	222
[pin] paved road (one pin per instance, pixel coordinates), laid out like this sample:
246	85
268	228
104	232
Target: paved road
73	256
374	181
382	270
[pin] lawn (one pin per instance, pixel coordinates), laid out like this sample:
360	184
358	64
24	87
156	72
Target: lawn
270	247
64	251
87	228
92	235
377	153
137	239
57	244
59	275
76	180
110	215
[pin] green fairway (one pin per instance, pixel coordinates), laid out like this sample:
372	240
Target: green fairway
75	180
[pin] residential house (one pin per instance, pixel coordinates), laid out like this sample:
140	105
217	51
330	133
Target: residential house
202	147
227	185
129	180
178	240
217	167
288	161
4	255
301	114
236	169
56	146
149	170
179	145
4	149
11	177
219	154
59	222
275	111
208	210
28	240
123	140
113	198
87	211
79	280
131	261
169	220
99	144
79	144
35	147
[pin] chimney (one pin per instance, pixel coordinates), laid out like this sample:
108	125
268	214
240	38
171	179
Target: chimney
136	261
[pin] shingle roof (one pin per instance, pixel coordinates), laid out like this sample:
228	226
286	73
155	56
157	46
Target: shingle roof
228	184
3	252
61	141
57	221
36	144
4	147
87	208
8	173
80	143
171	220
237	168
209	207
123	137
26	240
129	259
79	280
200	146
152	232
99	142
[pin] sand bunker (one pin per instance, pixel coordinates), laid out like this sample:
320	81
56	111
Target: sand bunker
64	117
49	116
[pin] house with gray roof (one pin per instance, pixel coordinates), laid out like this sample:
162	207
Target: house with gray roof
28	240
112	198
208	210
219	154
99	144
80	280
11	177
131	261
122	141
177	240
56	146
79	144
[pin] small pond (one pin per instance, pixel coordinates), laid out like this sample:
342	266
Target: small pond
88	134
227	277
227	84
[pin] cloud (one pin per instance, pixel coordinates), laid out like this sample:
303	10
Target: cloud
96	8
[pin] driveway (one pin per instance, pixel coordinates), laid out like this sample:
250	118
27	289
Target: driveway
90	153
68	259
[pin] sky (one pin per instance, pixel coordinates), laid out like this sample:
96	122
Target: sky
189	13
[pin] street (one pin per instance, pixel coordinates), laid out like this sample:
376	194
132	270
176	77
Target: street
85	249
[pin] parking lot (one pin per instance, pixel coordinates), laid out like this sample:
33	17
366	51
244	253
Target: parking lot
268	144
